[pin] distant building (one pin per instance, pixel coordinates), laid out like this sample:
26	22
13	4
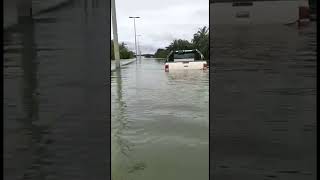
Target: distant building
257	11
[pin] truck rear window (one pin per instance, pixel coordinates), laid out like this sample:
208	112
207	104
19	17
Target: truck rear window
184	56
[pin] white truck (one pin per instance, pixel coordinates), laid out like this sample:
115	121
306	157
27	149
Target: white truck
185	60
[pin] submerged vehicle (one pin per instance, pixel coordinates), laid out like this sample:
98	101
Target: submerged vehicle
184	60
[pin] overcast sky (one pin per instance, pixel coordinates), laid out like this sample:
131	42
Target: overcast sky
161	21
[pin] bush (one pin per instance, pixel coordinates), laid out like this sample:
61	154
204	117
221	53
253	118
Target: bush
123	50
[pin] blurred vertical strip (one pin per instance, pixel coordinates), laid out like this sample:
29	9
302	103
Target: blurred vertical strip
24	8
304	12
56	89
13	9
313	9
10	13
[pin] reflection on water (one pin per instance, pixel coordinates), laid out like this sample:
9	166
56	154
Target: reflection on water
24	126
120	146
159	122
36	131
263	99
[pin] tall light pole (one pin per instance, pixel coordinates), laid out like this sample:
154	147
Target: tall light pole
115	34
135	36
139	46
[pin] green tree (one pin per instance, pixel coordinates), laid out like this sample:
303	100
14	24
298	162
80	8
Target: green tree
112	51
179	44
123	50
200	41
161	53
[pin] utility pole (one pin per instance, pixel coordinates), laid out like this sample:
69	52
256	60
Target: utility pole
139	47
115	34
135	36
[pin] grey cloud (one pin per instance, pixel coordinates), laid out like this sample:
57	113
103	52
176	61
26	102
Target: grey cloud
166	36
161	21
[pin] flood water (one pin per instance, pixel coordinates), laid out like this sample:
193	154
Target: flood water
263	102
160	123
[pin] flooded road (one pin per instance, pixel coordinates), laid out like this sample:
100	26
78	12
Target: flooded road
263	102
160	123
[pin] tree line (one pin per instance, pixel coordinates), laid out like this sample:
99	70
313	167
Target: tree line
199	41
123	50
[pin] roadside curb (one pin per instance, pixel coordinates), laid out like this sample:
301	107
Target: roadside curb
123	64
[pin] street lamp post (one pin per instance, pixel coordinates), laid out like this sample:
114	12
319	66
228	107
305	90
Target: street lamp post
135	36
139	46
115	34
